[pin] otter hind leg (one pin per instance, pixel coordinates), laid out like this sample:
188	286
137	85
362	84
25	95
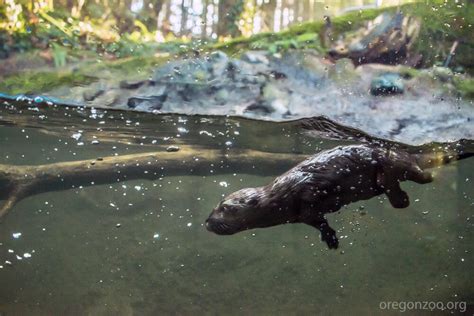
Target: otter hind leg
328	235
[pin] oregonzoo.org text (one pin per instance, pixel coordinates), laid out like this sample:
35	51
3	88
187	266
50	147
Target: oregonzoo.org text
404	306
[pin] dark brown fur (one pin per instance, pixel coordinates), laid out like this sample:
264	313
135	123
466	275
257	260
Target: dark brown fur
321	184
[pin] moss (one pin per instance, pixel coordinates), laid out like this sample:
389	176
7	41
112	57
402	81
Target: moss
340	24
44	81
408	72
134	63
442	24
465	86
37	82
303	35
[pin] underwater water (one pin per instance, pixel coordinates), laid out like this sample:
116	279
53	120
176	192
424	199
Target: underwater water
140	247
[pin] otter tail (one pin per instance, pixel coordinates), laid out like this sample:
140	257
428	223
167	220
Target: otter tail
436	154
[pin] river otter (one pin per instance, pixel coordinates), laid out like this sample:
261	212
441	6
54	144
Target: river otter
323	184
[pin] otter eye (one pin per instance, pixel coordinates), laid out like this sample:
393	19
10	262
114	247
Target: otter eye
252	202
242	201
229	209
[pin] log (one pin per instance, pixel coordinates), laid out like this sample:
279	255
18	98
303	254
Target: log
18	182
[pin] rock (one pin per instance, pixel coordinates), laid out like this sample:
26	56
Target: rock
194	71
124	84
106	99
443	73
259	107
387	84
386	40
343	70
147	103
272	99
271	92
180	70
295	64
218	55
92	93
222	96
315	64
255	57
219	63
459	70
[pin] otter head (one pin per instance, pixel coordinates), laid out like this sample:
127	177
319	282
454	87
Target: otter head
237	212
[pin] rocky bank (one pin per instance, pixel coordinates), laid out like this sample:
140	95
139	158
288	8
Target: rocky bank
394	102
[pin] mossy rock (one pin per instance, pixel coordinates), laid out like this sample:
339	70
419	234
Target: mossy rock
442	23
465	86
39	82
387	84
44	81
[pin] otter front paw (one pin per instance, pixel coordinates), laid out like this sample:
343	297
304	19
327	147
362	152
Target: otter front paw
328	235
331	240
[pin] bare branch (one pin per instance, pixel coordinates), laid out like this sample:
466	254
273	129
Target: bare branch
18	182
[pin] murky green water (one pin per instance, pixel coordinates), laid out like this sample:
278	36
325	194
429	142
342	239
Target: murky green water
161	259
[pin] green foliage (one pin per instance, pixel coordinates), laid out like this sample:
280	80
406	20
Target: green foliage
59	55
303	35
94	34
18	42
131	64
40	82
444	22
408	72
465	86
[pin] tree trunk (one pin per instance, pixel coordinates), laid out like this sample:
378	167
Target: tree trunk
157	6
18	182
228	12
282	14
166	27
204	19
184	17
268	13
306	10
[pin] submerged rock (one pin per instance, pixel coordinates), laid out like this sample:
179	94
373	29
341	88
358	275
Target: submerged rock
387	84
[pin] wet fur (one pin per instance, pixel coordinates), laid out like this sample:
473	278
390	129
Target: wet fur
319	185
